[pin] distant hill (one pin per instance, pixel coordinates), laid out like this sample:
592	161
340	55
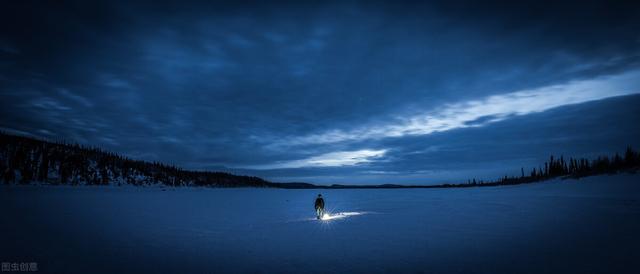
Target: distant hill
26	160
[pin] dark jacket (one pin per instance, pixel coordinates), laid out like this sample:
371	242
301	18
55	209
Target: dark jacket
319	202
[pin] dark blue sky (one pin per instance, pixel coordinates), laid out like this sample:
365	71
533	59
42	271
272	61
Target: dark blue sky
327	92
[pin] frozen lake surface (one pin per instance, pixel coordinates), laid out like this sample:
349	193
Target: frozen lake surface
590	225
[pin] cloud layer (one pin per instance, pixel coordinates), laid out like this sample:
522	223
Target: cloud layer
331	159
326	92
490	109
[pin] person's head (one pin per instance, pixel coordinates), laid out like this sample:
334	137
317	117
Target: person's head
319	195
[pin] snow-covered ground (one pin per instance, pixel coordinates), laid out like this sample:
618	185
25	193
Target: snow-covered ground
590	225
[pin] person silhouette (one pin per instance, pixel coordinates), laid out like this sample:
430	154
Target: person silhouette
319	205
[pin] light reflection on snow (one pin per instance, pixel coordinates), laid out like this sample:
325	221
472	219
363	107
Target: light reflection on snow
340	215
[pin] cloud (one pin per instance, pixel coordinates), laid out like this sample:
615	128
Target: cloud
74	97
49	104
487	110
308	85
331	159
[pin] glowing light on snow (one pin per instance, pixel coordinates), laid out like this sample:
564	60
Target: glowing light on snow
340	215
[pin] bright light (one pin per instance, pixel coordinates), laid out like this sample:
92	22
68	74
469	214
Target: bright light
339	215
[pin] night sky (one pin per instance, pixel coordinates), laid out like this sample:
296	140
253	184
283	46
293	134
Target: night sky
327	92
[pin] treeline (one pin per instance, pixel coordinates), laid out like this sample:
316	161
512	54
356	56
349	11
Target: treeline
567	168
25	160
